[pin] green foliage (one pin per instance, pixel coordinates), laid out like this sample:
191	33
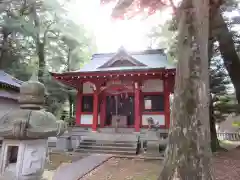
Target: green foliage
223	102
161	36
39	31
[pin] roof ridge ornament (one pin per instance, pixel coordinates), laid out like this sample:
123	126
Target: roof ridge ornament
122	52
122	49
32	92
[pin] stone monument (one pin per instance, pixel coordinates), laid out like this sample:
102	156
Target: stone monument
25	132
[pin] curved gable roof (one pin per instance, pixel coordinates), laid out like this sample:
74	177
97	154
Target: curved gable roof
6	78
122	55
149	59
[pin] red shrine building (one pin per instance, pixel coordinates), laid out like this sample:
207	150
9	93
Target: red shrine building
123	87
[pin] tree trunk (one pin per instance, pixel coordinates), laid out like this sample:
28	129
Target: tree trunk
215	146
214	140
4	49
227	49
41	58
188	151
40	45
70	99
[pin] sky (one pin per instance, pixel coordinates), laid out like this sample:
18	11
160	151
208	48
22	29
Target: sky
112	34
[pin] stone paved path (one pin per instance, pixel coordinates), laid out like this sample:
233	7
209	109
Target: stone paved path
78	169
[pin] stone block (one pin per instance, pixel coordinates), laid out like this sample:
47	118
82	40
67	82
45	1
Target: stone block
64	143
29	162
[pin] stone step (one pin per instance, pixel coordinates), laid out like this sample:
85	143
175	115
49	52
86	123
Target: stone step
108	141
106	147
109	144
102	151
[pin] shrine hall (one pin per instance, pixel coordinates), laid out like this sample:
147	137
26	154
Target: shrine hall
126	88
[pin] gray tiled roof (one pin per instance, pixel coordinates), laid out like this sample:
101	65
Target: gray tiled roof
151	58
9	94
8	79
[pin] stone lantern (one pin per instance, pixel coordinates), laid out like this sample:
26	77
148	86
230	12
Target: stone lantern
25	132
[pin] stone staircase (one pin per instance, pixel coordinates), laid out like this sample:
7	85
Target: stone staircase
111	145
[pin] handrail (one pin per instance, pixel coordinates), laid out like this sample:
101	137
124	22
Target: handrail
231	136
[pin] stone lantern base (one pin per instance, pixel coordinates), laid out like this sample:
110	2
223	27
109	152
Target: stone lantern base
23	159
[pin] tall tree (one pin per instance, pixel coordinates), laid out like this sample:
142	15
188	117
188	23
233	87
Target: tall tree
35	20
39	31
73	49
187	153
221	102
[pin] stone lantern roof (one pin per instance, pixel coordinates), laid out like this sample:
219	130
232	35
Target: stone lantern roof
32	94
31	121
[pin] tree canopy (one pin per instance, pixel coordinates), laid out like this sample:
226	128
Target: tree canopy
39	33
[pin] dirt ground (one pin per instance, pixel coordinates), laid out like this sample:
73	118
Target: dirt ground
59	158
126	169
56	160
226	166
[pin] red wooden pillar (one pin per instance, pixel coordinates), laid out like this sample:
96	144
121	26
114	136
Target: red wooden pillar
95	111
78	107
140	107
137	107
166	102
103	111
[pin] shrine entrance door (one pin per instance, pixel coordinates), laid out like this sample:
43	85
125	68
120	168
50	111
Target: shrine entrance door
120	107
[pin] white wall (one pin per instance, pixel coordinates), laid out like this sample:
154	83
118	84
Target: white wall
156	117
153	85
88	119
87	88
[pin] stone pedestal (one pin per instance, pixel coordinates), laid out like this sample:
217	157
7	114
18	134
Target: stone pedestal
64	143
26	161
152	149
76	140
153	144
